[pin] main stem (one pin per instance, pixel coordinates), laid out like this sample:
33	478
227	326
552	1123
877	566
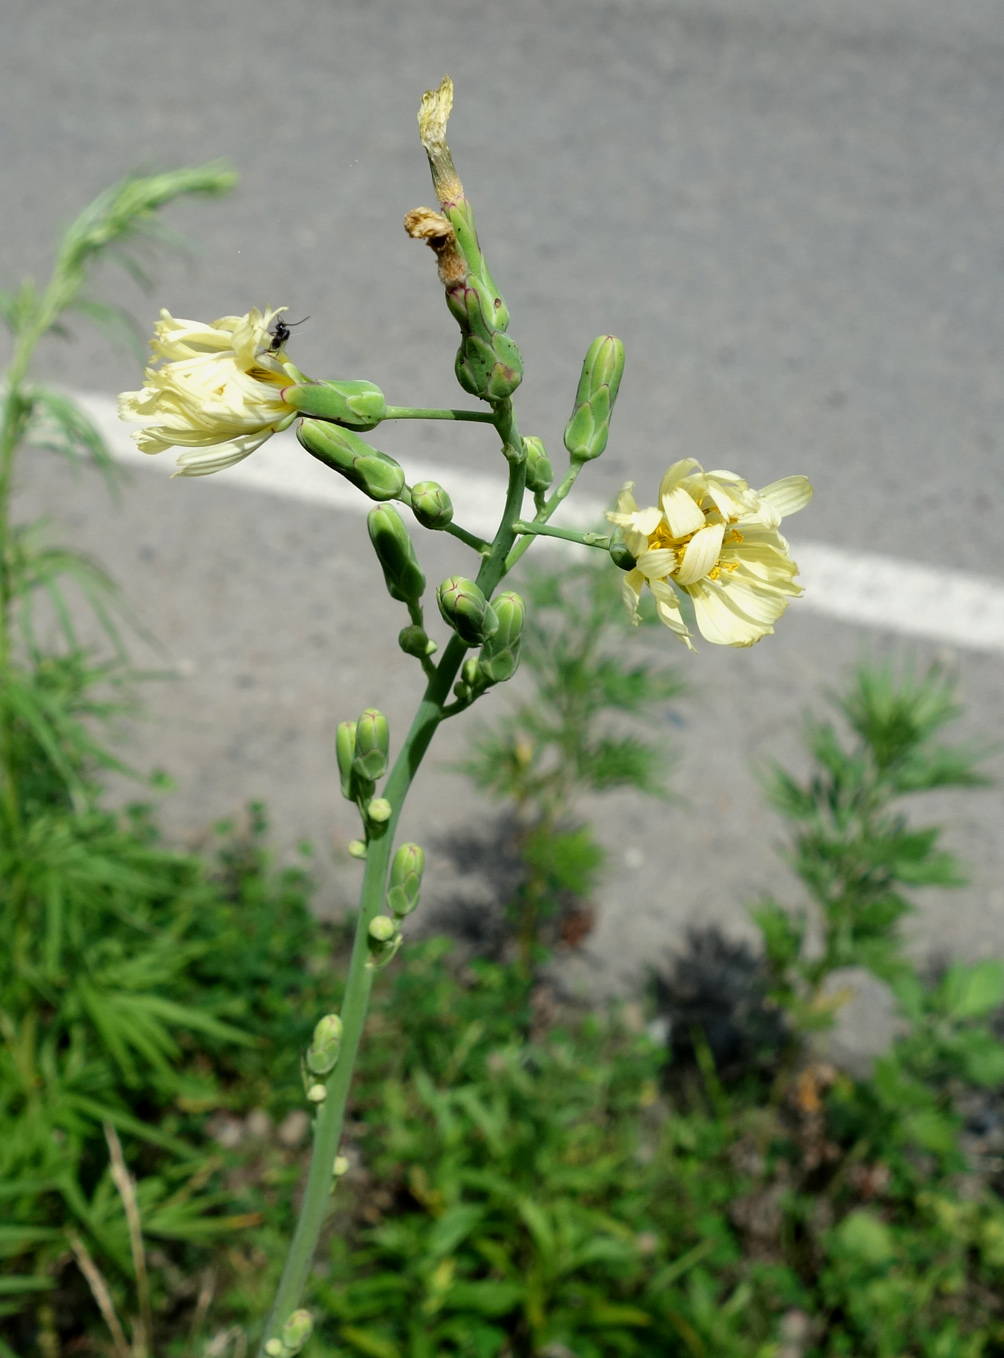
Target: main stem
331	1117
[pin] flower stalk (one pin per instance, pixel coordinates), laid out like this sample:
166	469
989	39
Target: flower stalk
219	391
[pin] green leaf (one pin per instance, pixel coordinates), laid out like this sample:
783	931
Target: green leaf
488	1298
973	991
18	1283
59	424
370	1343
863	1236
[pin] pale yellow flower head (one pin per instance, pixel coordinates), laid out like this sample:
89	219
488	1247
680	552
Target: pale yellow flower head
214	390
713	538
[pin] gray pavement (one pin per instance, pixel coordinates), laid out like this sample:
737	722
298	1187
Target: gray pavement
790	211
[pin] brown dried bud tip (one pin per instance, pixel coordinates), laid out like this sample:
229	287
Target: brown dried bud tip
423	223
433	116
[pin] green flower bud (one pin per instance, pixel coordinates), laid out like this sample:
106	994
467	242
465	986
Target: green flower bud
322	1054
317	1093
401	572
345	750
405	879
413	641
384	939
376	474
372	746
379	810
586	432
431	505
491	369
382	929
539	472
273	1348
359	405
466	610
340	1167
295	1333
621	557
461	690
499	658
357	848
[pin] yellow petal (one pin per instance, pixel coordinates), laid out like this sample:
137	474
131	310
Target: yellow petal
657	564
631	587
720	620
683	514
701	554
788	495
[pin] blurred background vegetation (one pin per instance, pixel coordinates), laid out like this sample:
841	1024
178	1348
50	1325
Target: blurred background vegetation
683	1172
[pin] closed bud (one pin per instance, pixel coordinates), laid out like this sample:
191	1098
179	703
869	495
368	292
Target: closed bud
469	671
587	430
357	848
499	658
401	572
382	930
317	1093
489	368
295	1333
372	745
461	690
359	405
322	1054
379	810
345	749
413	641
431	505
376	474
340	1166
466	610
621	557
539	472
405	879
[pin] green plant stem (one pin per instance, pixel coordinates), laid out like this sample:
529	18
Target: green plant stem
547	530
454	529
560	492
419	413
331	1116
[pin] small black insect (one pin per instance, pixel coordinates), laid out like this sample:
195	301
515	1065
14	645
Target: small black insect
280	333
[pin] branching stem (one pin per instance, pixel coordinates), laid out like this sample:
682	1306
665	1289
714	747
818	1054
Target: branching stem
431	709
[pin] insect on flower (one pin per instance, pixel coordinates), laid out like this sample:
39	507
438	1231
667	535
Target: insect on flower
280	333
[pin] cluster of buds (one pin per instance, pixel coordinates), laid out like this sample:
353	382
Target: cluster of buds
293	1336
322	1057
498	658
384	939
488	362
384	932
362	748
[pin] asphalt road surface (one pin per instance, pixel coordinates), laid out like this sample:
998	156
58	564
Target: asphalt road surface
790	211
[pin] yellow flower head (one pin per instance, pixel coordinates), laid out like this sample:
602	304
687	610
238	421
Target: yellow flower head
215	390
713	538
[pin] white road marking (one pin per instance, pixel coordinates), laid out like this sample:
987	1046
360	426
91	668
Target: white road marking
957	608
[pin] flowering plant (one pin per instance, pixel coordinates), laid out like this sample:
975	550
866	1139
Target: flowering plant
710	547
